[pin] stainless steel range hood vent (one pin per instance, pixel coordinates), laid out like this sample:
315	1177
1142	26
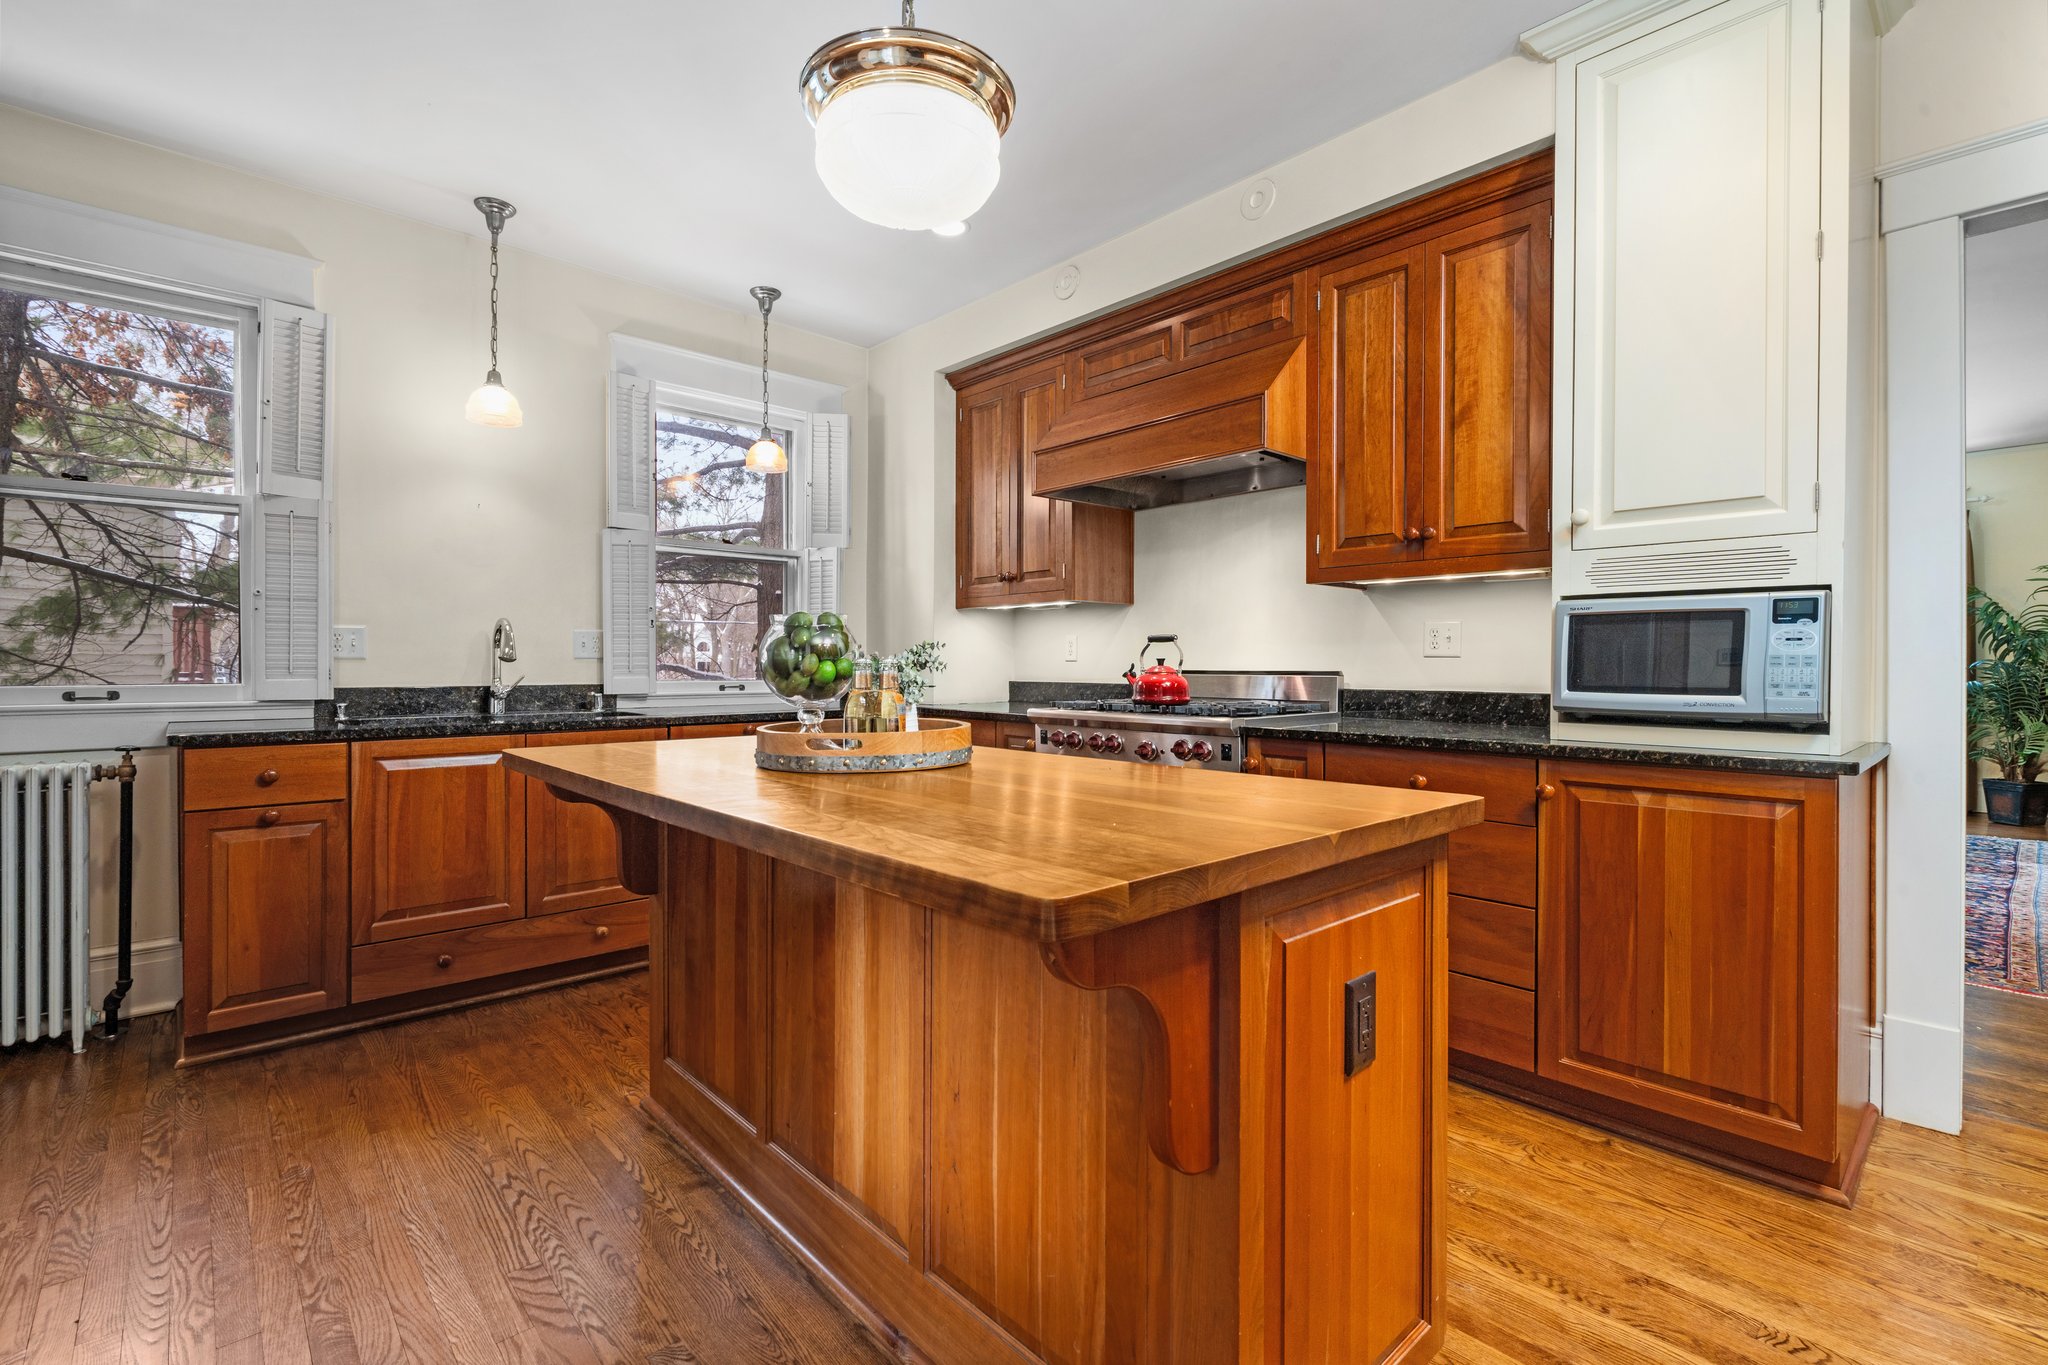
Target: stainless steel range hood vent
1238	425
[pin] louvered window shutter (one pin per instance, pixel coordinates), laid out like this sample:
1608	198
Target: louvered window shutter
629	454
287	650
628	612
821	580
297	343
830	454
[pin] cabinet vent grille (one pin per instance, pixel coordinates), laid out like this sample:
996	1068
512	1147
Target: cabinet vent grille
1693	568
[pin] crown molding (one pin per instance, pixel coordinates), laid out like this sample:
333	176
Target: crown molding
1590	23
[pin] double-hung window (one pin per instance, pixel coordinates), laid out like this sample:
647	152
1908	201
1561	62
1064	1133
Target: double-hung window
702	553
163	476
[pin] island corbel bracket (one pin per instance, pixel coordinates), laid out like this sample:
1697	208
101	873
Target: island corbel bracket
639	844
1170	964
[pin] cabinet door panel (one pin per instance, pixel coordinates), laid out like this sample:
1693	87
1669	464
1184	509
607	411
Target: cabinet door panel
1285	758
438	837
1360	489
266	914
1045	526
1687	947
572	848
1486	442
1696	326
985	510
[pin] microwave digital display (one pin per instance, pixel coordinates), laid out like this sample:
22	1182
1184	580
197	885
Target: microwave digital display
1657	653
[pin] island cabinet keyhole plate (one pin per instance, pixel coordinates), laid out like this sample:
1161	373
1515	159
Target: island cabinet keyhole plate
1361	1032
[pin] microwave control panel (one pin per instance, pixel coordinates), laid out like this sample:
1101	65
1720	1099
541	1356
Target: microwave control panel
1795	675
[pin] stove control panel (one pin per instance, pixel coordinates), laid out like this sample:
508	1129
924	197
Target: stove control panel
1159	750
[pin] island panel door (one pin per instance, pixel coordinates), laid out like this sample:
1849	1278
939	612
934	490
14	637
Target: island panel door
437	836
572	847
713	943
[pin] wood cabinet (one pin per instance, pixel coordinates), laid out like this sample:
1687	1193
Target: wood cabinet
1284	758
572	848
265	912
1693	365
1004	734
438	836
1011	547
1213	329
1431	420
1696	946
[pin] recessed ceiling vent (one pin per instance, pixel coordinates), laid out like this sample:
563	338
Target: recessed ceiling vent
1677	569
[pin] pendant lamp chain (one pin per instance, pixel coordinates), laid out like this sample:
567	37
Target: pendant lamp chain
909	14
494	303
764	295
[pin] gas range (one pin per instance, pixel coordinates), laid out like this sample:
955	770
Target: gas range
1207	731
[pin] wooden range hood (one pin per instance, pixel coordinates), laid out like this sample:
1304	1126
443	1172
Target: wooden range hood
1235	425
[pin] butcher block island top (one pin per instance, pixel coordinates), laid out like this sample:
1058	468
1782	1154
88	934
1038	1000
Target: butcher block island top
1052	1060
1053	849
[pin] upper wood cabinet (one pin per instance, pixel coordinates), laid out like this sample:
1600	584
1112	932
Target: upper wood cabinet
438	836
1013	548
1432	412
572	848
1212	330
1690	158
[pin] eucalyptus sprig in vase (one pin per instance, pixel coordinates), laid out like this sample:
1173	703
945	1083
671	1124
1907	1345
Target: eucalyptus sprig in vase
918	668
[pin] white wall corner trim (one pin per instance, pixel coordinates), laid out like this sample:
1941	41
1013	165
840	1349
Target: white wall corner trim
1589	23
1916	1056
159	968
59	233
1887	13
1969	178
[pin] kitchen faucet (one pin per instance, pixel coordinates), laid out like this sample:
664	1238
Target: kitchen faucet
504	650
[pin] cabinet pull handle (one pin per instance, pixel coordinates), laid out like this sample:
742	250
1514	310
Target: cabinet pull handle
1544	791
1580	516
268	817
1412	534
604	931
1254	764
1429	533
1418	781
444	961
267	778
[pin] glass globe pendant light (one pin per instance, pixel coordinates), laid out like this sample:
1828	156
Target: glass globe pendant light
910	123
766	456
492	405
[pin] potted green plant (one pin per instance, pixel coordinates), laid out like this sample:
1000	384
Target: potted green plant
2007	704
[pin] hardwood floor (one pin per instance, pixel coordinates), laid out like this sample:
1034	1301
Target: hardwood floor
1976	822
481	1187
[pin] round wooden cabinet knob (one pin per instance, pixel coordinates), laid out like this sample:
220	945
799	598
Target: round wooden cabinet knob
604	931
444	961
1418	781
1544	791
268	817
1412	533
267	778
1429	533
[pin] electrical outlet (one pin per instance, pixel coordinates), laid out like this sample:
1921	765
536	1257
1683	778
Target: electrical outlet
1073	649
1442	639
586	644
351	642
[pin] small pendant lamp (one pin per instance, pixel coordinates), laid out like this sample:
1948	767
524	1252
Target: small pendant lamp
492	405
766	456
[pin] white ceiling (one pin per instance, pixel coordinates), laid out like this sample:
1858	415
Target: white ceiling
2006	331
663	140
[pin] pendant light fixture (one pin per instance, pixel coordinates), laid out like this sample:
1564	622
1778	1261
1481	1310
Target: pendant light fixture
492	405
766	456
910	123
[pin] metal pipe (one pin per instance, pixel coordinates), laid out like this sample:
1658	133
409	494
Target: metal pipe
124	972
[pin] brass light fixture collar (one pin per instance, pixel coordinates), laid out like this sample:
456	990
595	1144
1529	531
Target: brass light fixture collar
908	54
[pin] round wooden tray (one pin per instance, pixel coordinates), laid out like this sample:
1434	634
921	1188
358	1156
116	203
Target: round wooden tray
784	747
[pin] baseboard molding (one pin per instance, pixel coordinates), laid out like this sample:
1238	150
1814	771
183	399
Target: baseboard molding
1923	1074
159	969
1876	1035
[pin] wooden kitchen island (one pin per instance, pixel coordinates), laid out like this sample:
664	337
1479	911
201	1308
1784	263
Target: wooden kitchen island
1036	1059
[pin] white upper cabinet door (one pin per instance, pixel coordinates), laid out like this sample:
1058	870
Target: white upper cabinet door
1696	302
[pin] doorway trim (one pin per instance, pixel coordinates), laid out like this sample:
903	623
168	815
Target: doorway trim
1922	209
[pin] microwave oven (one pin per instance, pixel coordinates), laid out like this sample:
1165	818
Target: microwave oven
1745	658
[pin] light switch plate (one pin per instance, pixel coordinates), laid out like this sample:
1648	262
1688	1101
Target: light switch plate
351	642
586	644
1443	639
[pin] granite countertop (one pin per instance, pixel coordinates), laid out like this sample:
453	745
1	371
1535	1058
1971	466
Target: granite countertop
327	731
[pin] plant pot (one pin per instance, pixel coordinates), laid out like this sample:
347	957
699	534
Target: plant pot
2015	803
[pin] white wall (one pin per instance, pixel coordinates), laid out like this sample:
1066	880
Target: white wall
1228	575
1955	70
442	526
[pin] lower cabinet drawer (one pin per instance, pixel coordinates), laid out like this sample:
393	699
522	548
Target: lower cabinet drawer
401	966
1494	941
1495	863
1493	1021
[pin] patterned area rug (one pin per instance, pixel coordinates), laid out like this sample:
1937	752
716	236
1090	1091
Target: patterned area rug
2004	881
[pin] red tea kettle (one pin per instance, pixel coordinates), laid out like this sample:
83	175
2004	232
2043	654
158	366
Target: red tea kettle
1159	685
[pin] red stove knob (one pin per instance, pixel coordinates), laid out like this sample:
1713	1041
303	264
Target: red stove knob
1052	739
1096	742
1146	750
1203	753
1112	744
1073	739
1181	750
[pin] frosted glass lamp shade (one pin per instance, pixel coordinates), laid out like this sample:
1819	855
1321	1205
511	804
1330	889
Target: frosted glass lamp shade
766	456
492	405
908	154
